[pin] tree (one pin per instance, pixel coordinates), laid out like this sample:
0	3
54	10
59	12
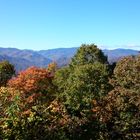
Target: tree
9	111
6	72
60	78
26	106
52	68
88	54
119	110
85	78
35	84
32	80
127	73
87	82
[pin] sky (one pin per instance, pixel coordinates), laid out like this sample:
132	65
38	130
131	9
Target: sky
47	24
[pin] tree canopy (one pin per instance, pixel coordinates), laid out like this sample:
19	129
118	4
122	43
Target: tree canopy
85	78
88	54
88	99
119	109
6	72
127	72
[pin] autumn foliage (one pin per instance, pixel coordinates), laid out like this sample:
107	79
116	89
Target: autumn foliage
87	100
119	110
35	85
32	80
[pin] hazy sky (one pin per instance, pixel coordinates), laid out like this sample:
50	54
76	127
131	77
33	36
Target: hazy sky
46	24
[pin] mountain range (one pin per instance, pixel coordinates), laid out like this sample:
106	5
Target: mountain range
23	59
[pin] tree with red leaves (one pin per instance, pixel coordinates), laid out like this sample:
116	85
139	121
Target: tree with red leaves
34	83
32	80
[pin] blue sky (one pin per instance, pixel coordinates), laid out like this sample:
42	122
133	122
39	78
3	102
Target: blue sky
46	24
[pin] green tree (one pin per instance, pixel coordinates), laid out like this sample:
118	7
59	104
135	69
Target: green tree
6	72
60	78
87	82
85	78
88	54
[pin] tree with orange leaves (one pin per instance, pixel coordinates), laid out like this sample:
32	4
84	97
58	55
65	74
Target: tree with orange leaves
23	103
34	83
32	80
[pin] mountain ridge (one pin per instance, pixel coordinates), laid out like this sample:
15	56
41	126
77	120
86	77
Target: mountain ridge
25	58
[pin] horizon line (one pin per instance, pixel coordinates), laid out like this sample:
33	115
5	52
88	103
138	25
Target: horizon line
102	47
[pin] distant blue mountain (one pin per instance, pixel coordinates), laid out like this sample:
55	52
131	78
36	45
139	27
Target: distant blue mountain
23	59
120	52
116	54
61	56
64	55
57	53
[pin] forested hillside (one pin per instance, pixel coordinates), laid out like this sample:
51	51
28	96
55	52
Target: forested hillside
89	99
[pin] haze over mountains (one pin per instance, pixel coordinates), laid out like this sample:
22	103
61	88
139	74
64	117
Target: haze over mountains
23	59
